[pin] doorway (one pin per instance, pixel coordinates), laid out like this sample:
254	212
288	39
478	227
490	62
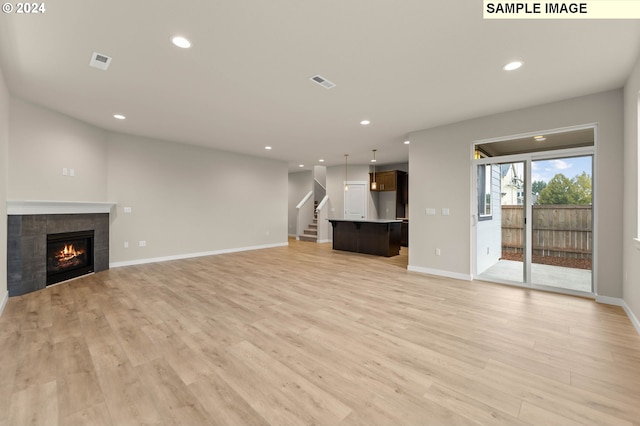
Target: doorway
534	215
355	200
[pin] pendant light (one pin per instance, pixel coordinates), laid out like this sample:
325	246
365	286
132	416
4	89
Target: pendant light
374	185
346	185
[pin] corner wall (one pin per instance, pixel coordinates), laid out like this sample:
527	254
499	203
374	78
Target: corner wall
631	258
4	178
185	200
43	143
440	160
300	183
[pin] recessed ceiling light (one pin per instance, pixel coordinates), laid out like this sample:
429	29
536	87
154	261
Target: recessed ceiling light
365	122
407	142
119	116
540	138
511	66
321	160
181	42
267	148
301	165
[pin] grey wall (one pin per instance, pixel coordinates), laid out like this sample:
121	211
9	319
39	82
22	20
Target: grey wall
631	268
440	176
4	177
42	143
185	200
300	183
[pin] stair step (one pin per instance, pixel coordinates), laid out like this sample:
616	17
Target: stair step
312	238
311	232
313	226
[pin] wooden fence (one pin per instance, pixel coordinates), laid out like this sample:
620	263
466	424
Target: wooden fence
558	230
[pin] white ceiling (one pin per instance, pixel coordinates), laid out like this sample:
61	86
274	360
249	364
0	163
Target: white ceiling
405	65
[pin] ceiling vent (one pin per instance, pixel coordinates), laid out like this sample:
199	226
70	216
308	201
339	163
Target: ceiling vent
323	82
100	61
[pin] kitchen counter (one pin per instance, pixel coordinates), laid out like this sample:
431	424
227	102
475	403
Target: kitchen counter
380	237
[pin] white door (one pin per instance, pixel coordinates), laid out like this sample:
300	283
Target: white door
355	201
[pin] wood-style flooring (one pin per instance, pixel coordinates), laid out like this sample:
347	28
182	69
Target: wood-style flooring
306	335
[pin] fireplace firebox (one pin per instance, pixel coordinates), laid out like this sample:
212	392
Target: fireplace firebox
69	255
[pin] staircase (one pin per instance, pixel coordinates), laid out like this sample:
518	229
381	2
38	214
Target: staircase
311	232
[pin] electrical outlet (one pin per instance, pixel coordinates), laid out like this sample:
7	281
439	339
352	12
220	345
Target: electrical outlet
438	252
127	209
65	171
126	244
142	243
445	211
72	172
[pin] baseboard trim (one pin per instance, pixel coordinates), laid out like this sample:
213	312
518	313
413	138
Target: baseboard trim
323	241
192	255
5	299
616	301
440	273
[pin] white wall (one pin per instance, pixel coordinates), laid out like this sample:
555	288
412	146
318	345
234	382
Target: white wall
185	200
4	177
42	143
300	183
631	260
443	155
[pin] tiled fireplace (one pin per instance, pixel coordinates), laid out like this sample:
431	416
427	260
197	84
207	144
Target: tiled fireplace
49	242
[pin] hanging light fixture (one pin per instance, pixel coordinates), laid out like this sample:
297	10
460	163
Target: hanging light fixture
346	184
374	185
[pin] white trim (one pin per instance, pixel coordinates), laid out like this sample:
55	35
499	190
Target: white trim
5	299
192	255
29	207
440	273
616	301
323	241
531	134
304	200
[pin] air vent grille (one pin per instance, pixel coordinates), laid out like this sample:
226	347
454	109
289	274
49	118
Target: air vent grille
323	82
100	61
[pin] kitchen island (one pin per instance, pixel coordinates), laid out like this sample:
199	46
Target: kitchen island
380	237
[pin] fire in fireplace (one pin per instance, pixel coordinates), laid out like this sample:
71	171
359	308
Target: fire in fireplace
69	255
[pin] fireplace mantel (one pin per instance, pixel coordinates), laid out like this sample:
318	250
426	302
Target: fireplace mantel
28	207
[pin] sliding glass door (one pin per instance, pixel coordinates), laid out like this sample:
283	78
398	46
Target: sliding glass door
562	222
534	218
500	222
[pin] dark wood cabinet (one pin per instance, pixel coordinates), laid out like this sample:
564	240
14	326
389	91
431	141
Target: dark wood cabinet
385	181
394	180
379	237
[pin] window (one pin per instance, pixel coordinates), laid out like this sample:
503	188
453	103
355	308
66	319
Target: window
484	192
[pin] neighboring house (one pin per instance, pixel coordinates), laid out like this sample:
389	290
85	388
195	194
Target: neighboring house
512	184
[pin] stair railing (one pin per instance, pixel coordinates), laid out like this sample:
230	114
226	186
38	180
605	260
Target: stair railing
319	190
322	211
304	214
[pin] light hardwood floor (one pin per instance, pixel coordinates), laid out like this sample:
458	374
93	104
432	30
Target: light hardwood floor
306	335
